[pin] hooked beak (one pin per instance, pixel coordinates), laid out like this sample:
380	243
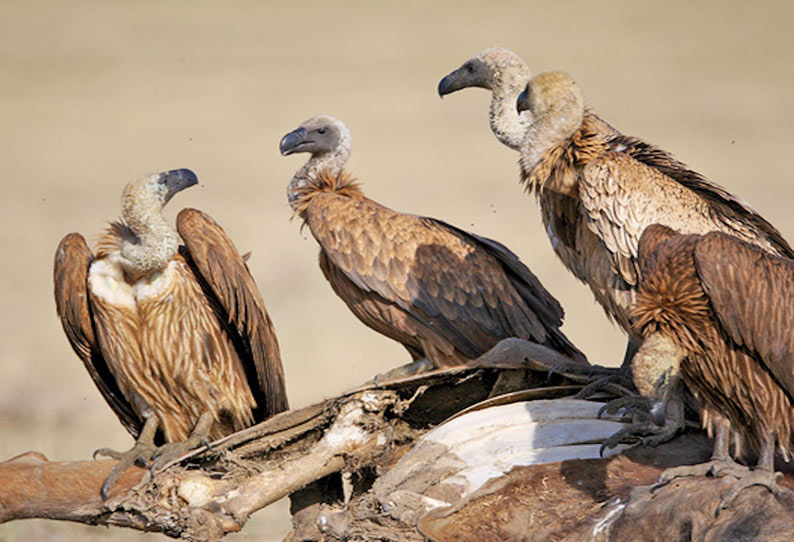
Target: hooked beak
455	80
449	84
177	180
292	142
522	103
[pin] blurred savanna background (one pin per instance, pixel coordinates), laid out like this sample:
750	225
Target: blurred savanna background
94	93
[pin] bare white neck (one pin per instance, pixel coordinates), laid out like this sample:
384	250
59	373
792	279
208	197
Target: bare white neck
158	240
508	125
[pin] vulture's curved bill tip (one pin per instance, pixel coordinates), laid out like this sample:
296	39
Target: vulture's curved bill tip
177	180
292	141
447	85
522	103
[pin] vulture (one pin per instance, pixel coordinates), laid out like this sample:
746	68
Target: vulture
626	183
597	188
169	324
719	310
620	185
445	294
506	75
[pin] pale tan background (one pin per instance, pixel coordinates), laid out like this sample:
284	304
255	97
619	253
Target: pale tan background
92	94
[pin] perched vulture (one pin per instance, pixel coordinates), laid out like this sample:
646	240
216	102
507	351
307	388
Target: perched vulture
176	338
506	75
626	184
599	189
622	186
720	309
445	294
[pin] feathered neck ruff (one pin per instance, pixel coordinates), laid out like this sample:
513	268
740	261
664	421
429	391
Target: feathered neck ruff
562	161
321	182
671	299
111	240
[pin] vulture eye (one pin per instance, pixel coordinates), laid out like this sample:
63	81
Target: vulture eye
469	68
321	131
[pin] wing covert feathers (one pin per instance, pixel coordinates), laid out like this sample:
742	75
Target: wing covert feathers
726	207
223	273
624	186
72	260
450	285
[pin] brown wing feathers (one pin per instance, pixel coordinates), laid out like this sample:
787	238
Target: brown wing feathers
726	206
72	259
225	278
452	285
752	293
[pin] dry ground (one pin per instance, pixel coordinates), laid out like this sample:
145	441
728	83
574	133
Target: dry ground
92	94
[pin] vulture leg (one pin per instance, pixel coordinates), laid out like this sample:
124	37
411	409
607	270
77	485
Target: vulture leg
414	368
172	451
654	368
139	453
719	465
615	381
649	432
762	475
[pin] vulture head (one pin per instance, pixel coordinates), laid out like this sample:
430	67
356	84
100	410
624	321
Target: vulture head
505	75
490	69
550	93
329	142
319	135
557	106
154	190
151	242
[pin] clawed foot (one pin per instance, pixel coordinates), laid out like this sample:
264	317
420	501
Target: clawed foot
756	477
716	468
167	453
139	454
607	380
643	433
144	453
719	468
638	409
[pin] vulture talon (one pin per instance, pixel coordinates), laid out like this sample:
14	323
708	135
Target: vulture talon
714	468
107	452
564	367
610	383
629	404
167	453
143	447
755	477
641	433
